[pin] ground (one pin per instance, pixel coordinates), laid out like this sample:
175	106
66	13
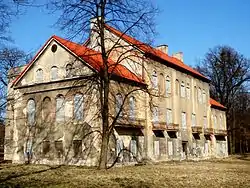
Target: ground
230	172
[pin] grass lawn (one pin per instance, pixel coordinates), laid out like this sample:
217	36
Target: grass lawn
231	172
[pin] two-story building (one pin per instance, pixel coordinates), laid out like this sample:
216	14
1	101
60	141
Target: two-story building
165	111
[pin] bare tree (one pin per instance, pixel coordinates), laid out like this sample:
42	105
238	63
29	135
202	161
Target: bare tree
134	17
229	72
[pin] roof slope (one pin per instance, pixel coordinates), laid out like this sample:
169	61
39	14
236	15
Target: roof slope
215	104
91	57
157	53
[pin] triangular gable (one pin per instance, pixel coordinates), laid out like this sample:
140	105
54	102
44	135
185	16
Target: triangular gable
89	56
156	53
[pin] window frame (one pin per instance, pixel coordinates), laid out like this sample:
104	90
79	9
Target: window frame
79	110
53	73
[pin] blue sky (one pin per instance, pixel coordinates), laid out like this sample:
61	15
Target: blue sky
191	26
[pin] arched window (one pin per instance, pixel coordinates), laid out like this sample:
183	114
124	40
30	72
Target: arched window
118	104
60	116
132	108
177	87
199	95
154	80
78	107
69	71
183	93
188	91
162	81
39	75
155	114
204	96
47	109
54	73
31	112
168	85
195	93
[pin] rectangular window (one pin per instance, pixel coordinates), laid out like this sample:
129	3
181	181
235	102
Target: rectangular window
221	125
77	146
119	147
60	109
206	148
78	107
169	117
193	120
183	90
157	148
204	96
59	149
205	122
133	147
155	115
170	148
188	92
199	95
168	86
183	120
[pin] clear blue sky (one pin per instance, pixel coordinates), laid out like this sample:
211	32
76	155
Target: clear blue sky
191	26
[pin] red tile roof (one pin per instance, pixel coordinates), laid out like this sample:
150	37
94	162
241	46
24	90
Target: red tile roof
157	53
91	57
214	103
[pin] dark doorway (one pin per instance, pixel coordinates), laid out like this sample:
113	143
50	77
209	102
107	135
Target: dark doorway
184	147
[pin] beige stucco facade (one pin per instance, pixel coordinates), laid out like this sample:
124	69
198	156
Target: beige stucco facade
185	126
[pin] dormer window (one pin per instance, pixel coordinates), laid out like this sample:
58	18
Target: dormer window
54	73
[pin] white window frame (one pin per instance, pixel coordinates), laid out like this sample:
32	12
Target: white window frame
168	85
193	118
54	73
184	120
39	75
169	116
132	108
31	112
183	93
199	95
204	97
188	91
155	115
78	106
118	104
154	80
60	109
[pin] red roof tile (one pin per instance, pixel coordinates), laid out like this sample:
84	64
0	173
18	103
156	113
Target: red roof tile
91	57
155	52
214	103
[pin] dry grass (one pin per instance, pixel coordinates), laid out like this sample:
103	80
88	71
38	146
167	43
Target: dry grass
231	172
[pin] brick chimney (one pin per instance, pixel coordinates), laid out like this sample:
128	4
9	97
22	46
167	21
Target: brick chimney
178	55
163	48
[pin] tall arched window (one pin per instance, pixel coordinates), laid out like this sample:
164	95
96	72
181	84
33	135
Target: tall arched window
177	87
132	108
162	85
54	73
60	115
78	107
154	80
47	109
69	71
188	91
31	112
183	93
168	85
199	95
39	75
118	104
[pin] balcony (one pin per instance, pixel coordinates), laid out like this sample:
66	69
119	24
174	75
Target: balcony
196	129
220	132
164	126
208	131
173	127
129	122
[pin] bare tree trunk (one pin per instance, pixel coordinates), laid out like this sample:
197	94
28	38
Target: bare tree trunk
104	151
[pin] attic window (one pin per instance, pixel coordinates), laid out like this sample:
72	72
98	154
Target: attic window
54	48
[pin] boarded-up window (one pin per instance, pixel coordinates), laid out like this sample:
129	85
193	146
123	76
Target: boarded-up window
155	114
54	73
46	148
39	75
132	108
193	120
183	94
118	104
78	107
69	71
183	120
188	91
133	147
60	116
154	80
169	116
170	148
168	85
47	109
59	149
77	146
31	112
157	148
